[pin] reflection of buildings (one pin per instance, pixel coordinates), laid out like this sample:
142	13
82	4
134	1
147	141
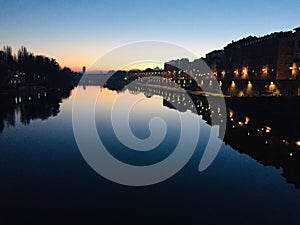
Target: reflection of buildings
252	88
258	133
267	145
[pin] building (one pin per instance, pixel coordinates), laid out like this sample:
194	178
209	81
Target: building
274	56
197	66
215	60
178	64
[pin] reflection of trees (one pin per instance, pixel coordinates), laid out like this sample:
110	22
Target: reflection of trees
30	106
7	113
31	85
38	110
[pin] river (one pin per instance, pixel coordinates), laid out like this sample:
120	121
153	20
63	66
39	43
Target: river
46	180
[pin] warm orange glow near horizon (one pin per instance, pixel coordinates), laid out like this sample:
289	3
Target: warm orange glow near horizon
74	58
74	63
143	65
133	66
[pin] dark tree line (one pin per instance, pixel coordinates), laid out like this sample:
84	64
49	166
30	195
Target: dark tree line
25	68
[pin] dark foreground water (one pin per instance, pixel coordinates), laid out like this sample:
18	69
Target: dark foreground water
45	180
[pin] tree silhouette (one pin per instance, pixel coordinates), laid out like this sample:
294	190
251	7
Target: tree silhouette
32	69
7	64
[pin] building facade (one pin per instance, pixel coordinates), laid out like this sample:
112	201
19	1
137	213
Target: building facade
275	56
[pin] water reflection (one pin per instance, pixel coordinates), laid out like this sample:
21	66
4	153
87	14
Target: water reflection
30	105
264	128
270	135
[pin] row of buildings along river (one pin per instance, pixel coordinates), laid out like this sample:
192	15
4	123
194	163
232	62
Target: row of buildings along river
253	66
275	57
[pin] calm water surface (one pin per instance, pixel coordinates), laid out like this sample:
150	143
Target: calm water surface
45	180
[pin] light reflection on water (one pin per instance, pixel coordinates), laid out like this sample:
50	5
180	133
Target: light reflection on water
43	176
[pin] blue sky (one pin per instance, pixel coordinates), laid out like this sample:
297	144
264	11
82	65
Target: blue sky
76	33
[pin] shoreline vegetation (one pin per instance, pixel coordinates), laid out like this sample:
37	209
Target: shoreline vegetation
24	71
